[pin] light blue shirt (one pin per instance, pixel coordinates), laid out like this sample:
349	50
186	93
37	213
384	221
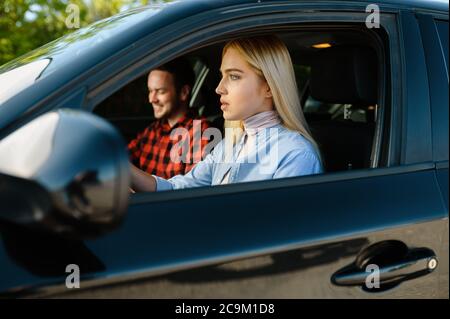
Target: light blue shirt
278	152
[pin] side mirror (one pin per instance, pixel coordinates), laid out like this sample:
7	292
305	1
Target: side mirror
66	172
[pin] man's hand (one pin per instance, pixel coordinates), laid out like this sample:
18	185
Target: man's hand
141	181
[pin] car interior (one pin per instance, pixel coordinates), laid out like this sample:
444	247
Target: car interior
338	77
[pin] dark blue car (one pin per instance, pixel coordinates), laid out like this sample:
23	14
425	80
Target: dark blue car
373	80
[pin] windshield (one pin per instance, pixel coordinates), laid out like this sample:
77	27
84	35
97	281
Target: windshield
15	80
20	73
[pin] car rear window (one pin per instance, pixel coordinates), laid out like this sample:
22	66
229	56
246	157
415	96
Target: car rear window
442	27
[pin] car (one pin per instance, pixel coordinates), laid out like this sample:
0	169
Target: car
373	80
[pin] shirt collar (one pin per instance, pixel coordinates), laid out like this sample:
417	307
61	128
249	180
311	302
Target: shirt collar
182	121
260	121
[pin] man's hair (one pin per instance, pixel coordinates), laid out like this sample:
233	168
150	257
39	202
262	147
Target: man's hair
181	71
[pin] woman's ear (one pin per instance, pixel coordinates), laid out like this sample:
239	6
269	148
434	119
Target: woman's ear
184	93
267	90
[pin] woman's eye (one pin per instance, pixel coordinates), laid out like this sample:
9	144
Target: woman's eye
234	77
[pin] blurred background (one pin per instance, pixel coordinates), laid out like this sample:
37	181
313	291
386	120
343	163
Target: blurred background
29	24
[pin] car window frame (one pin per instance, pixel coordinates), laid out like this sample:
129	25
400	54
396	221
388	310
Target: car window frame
416	142
96	95
438	79
255	186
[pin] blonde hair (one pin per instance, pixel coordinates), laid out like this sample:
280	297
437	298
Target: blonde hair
270	59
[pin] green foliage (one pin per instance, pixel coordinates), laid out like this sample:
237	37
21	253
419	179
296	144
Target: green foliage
29	24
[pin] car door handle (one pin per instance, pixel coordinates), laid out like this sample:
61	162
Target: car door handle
392	262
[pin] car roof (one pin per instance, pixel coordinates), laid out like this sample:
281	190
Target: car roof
138	21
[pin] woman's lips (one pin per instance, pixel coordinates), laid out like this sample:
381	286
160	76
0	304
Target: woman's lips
224	106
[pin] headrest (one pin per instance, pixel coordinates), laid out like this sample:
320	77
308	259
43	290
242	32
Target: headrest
345	75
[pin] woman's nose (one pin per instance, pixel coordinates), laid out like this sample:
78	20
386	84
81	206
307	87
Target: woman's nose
219	89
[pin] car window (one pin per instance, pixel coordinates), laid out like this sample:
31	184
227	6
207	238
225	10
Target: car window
315	109
439	92
84	41
339	86
442	27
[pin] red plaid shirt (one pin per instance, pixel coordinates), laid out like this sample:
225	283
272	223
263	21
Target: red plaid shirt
151	149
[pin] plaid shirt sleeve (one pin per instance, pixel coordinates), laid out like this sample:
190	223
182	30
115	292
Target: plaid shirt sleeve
134	149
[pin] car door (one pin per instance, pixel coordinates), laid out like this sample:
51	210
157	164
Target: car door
332	235
302	237
434	31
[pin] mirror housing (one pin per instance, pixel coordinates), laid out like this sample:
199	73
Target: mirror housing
66	172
